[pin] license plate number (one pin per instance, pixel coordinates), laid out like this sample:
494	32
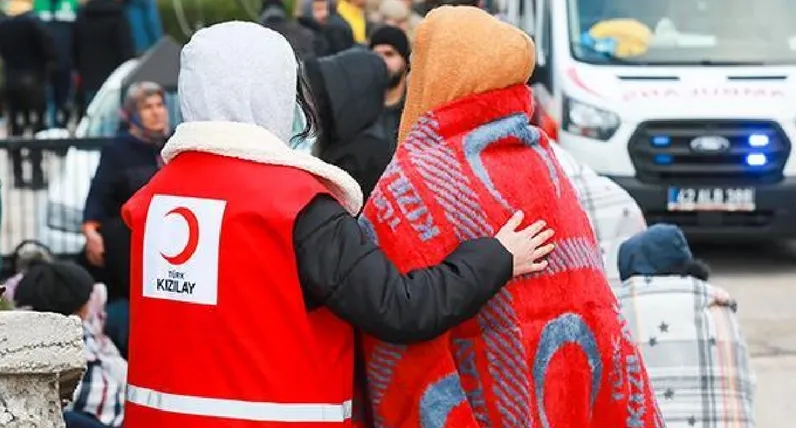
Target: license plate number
711	199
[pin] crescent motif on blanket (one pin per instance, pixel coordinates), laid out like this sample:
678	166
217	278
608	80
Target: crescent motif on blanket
516	126
439	400
566	329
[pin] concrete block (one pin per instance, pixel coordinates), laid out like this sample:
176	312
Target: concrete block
41	362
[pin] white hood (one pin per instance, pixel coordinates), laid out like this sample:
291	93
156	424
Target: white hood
237	89
239	72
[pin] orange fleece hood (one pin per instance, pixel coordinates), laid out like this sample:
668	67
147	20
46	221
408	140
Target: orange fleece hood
461	51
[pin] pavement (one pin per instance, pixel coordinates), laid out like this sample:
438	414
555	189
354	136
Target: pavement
762	278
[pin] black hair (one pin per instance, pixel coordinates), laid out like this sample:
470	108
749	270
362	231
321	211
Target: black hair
697	269
29	253
304	99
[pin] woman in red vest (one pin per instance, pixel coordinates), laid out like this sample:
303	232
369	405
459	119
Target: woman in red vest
248	271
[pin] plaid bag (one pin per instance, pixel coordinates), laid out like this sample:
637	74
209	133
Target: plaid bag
696	356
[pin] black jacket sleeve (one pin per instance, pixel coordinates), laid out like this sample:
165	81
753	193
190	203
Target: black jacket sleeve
341	268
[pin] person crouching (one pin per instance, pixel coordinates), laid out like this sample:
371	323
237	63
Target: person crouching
688	332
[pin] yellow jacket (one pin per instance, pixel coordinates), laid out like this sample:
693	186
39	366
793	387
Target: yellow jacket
355	17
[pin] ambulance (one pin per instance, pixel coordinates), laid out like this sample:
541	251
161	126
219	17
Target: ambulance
689	105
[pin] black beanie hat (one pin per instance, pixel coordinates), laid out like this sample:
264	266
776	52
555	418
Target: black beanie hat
392	36
59	287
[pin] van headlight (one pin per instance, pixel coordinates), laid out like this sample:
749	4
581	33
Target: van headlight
589	121
64	218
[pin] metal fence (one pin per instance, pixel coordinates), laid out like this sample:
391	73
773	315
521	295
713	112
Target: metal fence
53	213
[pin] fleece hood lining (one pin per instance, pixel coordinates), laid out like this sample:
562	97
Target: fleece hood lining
254	143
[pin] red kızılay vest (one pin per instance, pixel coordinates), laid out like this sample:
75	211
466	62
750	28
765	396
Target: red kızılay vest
551	349
219	333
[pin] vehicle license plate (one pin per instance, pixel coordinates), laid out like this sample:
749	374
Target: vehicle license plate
711	199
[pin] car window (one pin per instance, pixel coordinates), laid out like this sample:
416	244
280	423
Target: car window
104	122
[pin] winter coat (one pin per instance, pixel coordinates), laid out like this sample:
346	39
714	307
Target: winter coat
301	39
685	328
126	164
27	49
614	215
331	37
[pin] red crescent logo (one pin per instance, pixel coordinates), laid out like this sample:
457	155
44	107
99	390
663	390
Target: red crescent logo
193	236
572	72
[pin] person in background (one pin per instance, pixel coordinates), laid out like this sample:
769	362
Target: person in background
145	23
392	45
414	18
275	16
103	41
371	14
614	215
348	91
332	34
28	54
688	331
125	166
68	289
394	13
272	267
60	15
353	12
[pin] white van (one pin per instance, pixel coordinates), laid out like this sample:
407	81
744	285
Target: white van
698	127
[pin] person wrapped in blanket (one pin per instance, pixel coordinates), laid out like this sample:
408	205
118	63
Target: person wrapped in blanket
614	215
552	350
688	332
68	289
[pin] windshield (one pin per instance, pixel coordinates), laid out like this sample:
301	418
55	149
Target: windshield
683	32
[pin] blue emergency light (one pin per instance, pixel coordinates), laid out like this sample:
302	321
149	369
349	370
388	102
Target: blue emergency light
661	141
756	159
664	159
758	140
